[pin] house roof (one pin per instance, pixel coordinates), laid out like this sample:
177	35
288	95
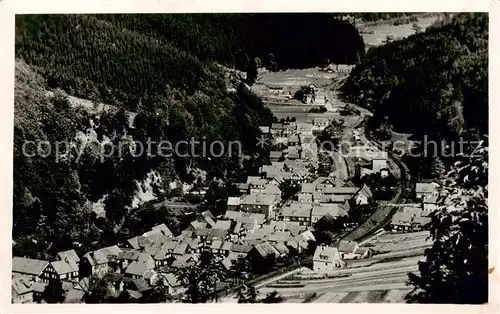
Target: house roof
256	181
96	258
208	217
216	245
223	224
111	251
258	199
346	246
70	255
264	129
240	248
74	296
63	267
424	187
24	284
127	255
281	248
275	154
180	248
271	189
139	242
365	191
163	228
136	268
171	280
233	201
226	263
335	210
198	224
28	266
226	246
401	218
277	126
265	249
161	254
279	236
340	190
327	253
296	209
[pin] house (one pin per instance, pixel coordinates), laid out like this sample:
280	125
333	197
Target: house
216	246
264	130
181	248
185	260
243	188
223	224
430	203
424	189
196	225
74	296
275	155
293	152
401	221
206	217
363	196
66	270
276	129
41	271
25	290
138	242
347	248
174	286
94	263
70	256
327	258
294	140
305	128
364	252
321	123
273	190
161	256
281	248
298	212
226	247
332	209
262	257
301	242
289	129
259	203
163	228
233	203
279	237
256	183
138	268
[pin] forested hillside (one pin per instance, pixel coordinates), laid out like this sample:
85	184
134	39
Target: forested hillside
432	83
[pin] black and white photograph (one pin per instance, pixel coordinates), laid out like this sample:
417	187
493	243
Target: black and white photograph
327	157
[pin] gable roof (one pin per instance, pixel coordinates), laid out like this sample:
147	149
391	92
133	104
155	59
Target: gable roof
296	209
259	199
28	266
136	268
69	255
424	187
222	224
63	267
171	279
241	248
163	228
96	258
233	201
365	191
24	284
265	249
281	248
327	253
346	246
335	210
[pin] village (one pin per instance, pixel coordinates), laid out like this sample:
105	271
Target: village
265	225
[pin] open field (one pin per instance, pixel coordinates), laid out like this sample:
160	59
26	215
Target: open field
375	35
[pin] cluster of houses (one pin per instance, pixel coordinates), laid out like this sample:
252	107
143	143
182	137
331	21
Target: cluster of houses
417	216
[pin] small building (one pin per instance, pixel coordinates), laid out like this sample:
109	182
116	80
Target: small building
41	271
363	196
347	249
275	155
424	189
94	263
233	203
294	140
66	271
263	257
297	212
332	209
25	290
259	203
327	258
